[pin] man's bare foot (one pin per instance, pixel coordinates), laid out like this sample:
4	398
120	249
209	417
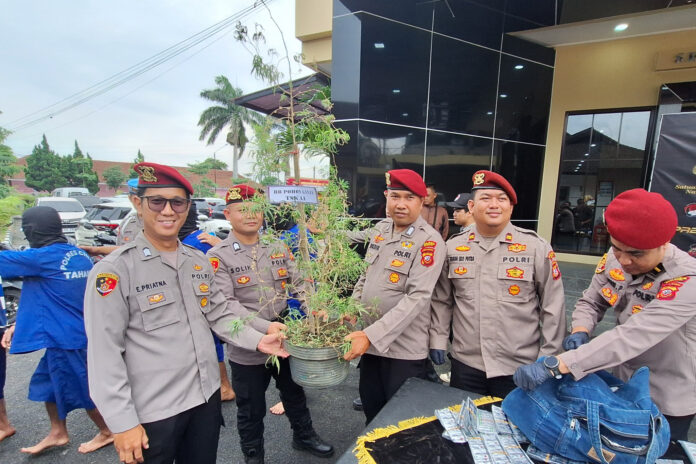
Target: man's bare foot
100	440
7	433
227	394
277	409
49	442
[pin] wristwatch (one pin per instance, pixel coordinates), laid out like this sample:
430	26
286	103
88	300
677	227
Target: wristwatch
552	363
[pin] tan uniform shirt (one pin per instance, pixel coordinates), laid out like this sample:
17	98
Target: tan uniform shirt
437	217
655	313
150	354
253	278
396	288
128	229
502	301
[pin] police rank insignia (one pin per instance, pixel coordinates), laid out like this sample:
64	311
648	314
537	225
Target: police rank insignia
406	244
463	248
508	237
282	272
147	173
243	280
636	309
156	298
106	283
514	290
203	288
460	270
215	262
472	236
517	247
601	264
515	272
617	274
197	267
204	302
428	252
394	278
397	263
610	296
379	238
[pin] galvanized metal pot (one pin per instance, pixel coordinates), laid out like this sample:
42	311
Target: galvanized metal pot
317	367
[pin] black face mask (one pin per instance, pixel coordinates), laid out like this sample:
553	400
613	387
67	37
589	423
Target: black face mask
42	226
190	223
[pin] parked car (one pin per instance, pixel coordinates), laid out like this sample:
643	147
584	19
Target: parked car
108	216
87	201
69	209
218	211
69	192
203	207
219	227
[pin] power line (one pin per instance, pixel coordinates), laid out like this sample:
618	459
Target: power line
130	73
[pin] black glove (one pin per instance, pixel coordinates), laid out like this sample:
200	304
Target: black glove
531	376
575	340
437	356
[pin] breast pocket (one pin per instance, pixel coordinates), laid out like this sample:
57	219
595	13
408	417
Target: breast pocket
516	282
201	289
158	310
395	274
462	275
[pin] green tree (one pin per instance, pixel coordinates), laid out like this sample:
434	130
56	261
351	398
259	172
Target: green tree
79	171
114	177
7	163
45	169
206	188
139	158
203	167
226	114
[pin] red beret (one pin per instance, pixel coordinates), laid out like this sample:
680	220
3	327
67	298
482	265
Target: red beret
158	175
405	179
491	180
641	219
239	193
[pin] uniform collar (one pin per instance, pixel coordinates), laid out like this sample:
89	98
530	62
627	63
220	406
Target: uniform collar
410	231
507	235
146	251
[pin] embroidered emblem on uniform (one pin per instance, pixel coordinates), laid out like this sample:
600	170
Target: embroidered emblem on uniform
601	264
197	267
515	272
243	280
278	255
379	238
397	263
517	247
406	244
514	289
670	288
387	178
204	302
147	173
106	283
427	253
204	288
282	272
648	285
234	194
472	236
610	296
555	270
508	237
479	178
552	255
394	277
410	231
283	284
460	270
617	274
236	246
636	309
157	298
126	239
215	262
463	248
146	252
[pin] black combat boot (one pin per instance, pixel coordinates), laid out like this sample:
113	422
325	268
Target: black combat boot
253	456
311	442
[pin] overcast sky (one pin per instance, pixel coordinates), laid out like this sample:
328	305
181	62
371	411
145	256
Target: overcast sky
53	49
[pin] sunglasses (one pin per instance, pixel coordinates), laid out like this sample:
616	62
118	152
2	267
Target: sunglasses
157	204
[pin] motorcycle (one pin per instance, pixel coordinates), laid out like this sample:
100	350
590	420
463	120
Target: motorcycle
12	289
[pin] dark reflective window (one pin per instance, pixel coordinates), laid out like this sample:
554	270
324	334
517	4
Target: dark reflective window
524	48
413	12
521	164
470	21
524	96
603	155
345	85
394	72
462	88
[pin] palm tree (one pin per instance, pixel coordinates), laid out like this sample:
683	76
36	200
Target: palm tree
226	114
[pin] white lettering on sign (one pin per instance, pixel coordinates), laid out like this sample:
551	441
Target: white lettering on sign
292	194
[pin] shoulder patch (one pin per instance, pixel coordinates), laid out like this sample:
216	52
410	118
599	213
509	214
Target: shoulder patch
601	264
428	253
215	262
106	283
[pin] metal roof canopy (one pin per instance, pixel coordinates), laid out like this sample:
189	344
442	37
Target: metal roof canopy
274	101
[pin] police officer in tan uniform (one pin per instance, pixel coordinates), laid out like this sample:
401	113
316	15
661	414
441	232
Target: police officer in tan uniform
149	308
501	288
132	224
404	258
651	286
255	277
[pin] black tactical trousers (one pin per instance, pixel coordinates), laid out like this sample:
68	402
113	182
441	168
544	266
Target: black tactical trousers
475	381
250	384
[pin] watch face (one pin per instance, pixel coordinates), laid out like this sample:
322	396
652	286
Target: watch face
551	362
